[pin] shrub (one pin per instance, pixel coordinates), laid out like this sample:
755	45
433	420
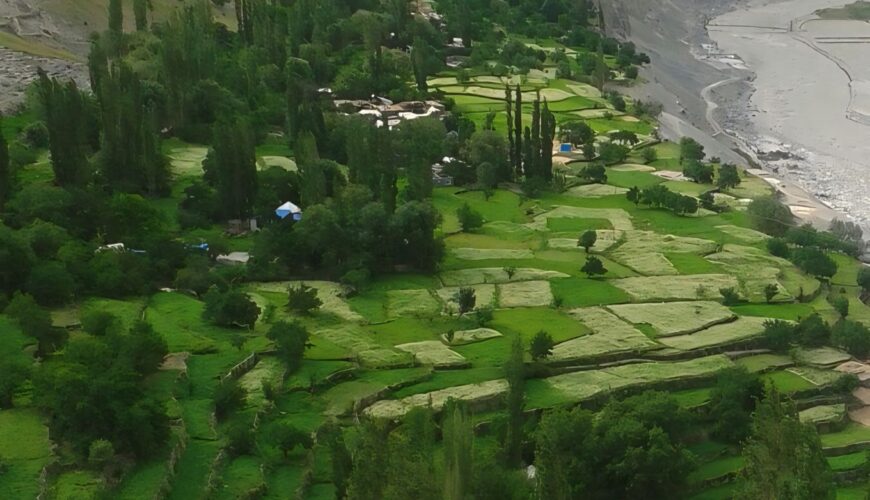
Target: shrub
100	452
813	331
730	296
469	219
228	397
778	247
303	299
99	323
541	346
778	334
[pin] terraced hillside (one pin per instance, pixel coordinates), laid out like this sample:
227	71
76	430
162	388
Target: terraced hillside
681	299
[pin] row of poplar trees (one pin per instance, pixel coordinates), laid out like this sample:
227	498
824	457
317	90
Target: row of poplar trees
531	147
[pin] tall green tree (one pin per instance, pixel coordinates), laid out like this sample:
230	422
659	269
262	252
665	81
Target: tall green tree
458	437
783	456
424	62
116	26
421	143
509	109
5	169
515	372
131	157
370	462
548	134
292	340
519	151
235	166
140	12
66	115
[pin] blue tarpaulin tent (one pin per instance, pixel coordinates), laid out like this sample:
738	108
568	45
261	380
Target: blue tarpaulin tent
289	209
565	148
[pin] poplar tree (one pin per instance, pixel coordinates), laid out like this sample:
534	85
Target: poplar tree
509	107
235	166
535	171
369	477
5	172
131	159
784	456
458	437
518	132
548	134
515	373
140	12
66	120
116	26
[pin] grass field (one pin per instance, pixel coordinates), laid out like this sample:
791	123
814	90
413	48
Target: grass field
25	447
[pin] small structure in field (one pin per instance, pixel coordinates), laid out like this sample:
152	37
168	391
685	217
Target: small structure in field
289	210
236	227
439	177
234	259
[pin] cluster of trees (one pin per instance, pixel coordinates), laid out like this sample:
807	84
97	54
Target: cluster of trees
530	146
660	196
813	331
94	391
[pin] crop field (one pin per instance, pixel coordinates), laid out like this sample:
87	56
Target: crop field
824	414
675	318
433	352
525	294
822	357
717	335
494	253
476	395
466	277
658	288
647	264
610	335
764	362
578	386
484	296
464	337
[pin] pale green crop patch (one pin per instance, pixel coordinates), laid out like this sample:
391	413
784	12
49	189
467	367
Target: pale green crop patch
362	343
525	294
329	292
675	318
484	296
582	385
687	287
722	334
412	303
435	353
491	253
465	277
610	335
477	396
822	357
464	337
605	239
824	414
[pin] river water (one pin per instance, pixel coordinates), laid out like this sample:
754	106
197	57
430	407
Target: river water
808	114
